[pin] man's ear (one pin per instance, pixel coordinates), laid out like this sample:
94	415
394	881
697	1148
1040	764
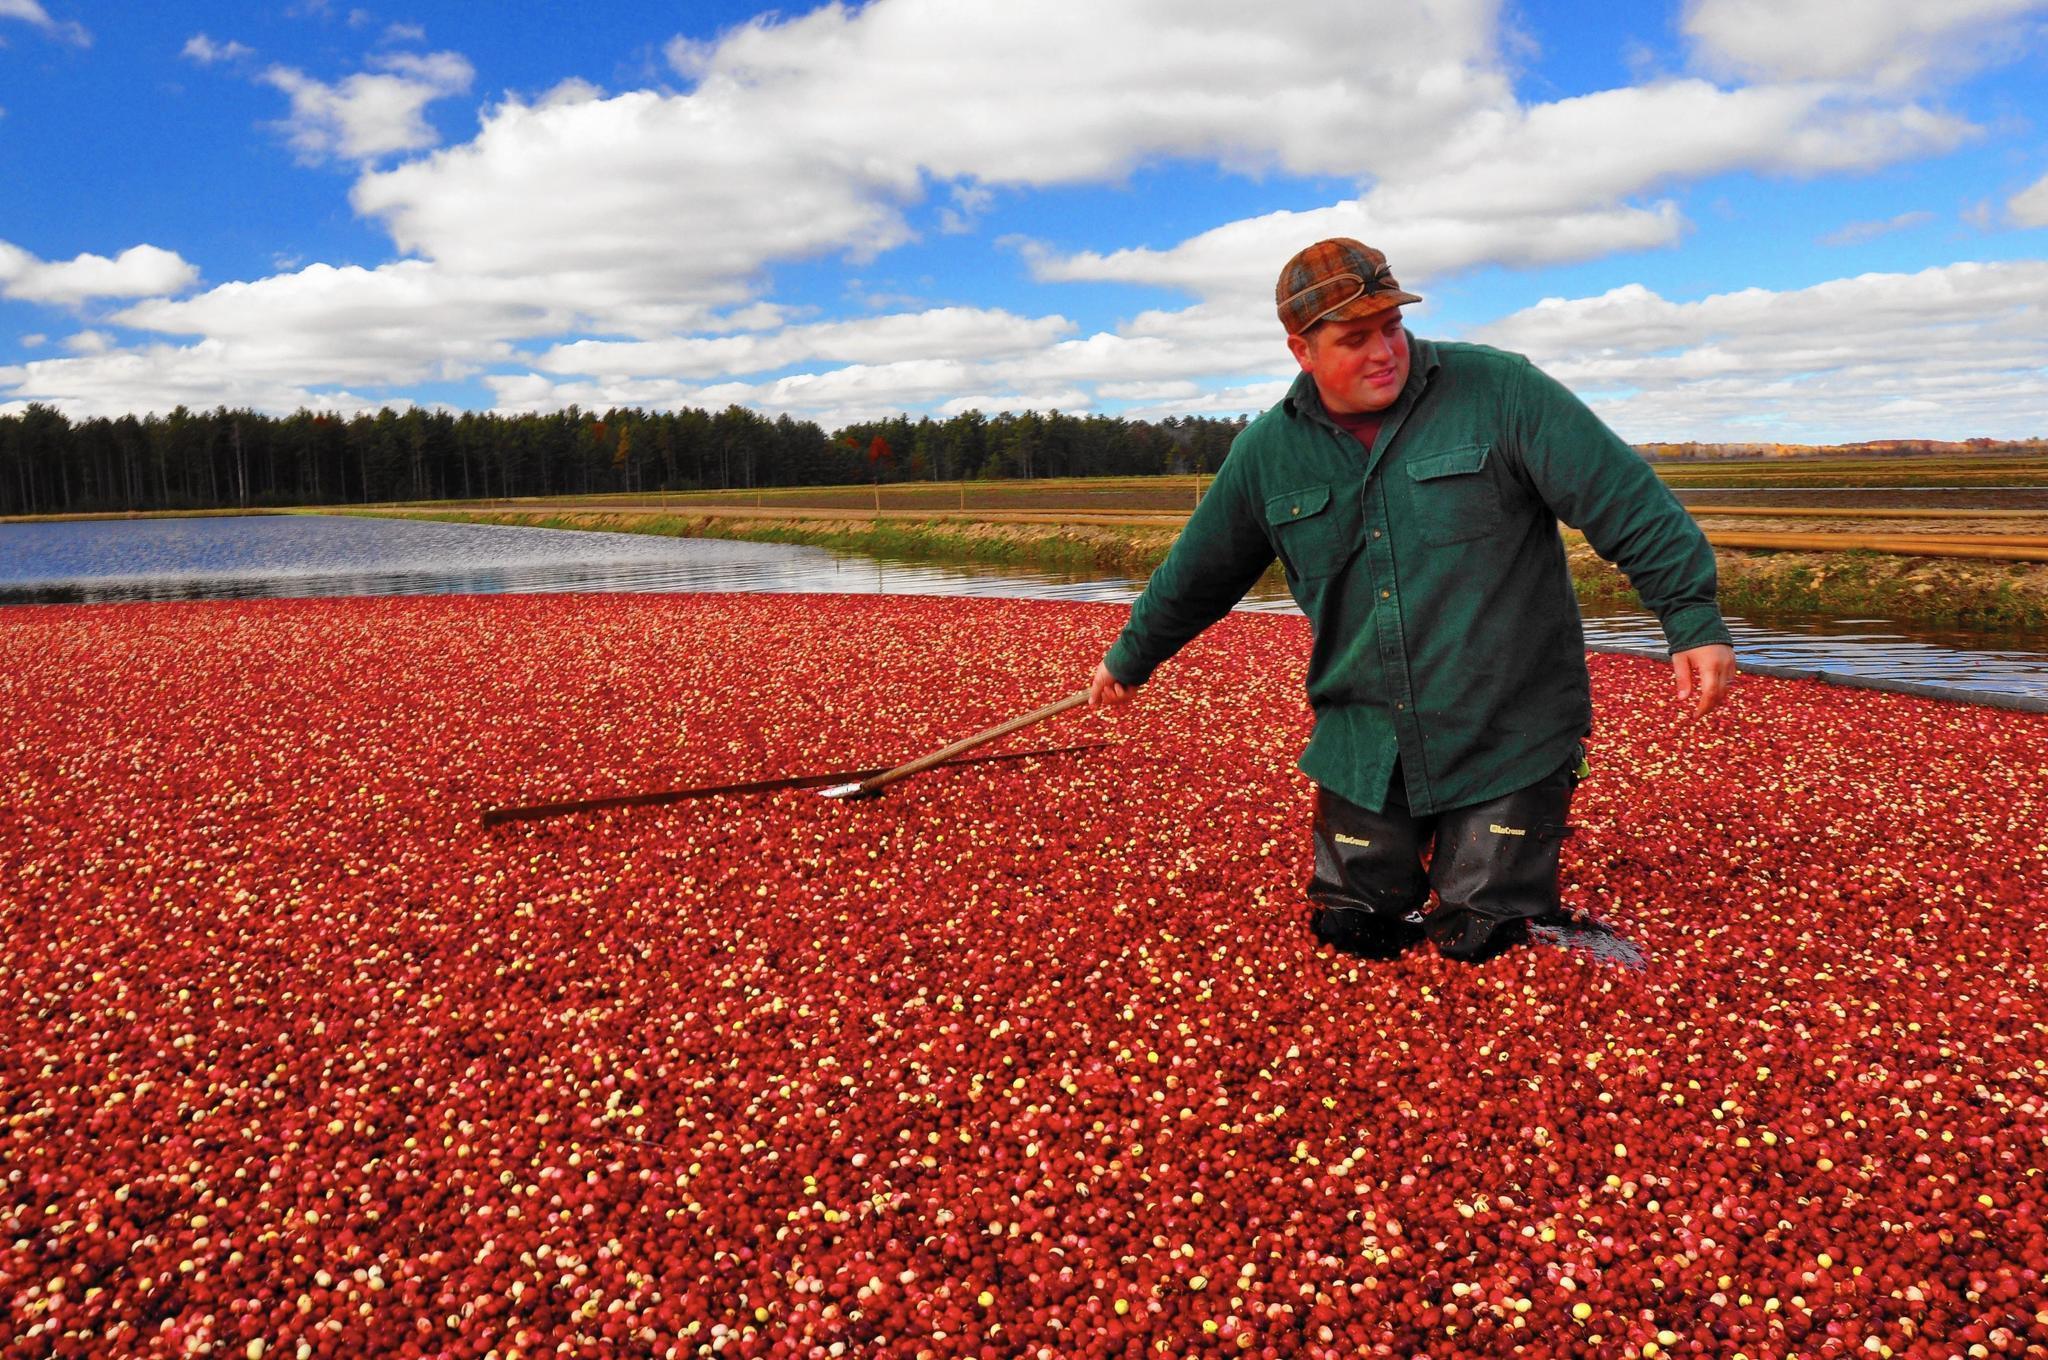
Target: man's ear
1299	347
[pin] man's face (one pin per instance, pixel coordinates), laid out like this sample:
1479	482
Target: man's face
1357	365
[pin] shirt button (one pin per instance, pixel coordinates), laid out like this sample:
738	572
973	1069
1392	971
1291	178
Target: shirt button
1400	708
1295	511
1386	594
1375	533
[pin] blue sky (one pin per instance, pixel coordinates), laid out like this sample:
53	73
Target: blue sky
1785	220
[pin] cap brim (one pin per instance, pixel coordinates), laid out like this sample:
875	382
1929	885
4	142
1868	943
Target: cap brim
1372	304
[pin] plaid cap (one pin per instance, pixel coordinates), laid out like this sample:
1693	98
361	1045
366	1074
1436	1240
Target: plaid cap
1336	280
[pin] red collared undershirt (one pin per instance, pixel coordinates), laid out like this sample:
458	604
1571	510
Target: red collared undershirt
1364	426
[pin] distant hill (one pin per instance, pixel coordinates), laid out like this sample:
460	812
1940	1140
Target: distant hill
1884	448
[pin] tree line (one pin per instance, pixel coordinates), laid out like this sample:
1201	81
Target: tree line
221	459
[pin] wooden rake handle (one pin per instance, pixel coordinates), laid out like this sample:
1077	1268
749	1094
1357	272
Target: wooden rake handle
874	784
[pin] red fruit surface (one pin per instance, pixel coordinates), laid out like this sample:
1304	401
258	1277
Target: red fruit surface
1029	1059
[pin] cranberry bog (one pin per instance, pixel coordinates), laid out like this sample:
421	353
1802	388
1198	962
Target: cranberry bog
1031	1059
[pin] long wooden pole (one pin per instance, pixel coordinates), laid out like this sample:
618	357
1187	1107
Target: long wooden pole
535	812
868	788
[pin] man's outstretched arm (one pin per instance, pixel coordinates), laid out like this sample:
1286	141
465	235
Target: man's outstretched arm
1597	484
1211	565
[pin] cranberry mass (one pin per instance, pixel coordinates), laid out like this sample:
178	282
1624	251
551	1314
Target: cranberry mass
1029	1059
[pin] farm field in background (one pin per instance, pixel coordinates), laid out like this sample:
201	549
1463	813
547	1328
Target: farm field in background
1018	1060
1831	494
1176	495
1900	470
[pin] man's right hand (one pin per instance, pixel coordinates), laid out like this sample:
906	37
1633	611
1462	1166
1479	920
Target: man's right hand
1703	676
1104	688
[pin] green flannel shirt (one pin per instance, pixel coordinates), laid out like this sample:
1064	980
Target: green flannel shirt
1446	632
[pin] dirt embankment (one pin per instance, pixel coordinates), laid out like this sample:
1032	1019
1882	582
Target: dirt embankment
1928	591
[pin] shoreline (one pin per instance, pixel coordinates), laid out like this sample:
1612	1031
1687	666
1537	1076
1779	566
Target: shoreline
1935	592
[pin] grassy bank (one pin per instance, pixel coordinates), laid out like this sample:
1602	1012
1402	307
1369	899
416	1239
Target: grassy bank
1928	592
1924	591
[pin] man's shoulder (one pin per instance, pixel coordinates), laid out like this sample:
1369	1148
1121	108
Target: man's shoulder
1277	422
1465	358
1272	418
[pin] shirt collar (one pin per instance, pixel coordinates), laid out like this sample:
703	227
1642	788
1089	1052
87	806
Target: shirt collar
1305	402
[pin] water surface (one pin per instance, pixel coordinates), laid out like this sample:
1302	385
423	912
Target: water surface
256	557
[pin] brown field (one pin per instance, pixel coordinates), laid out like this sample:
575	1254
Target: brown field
1894	471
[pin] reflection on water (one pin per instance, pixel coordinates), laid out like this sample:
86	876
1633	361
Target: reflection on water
256	557
262	556
1869	649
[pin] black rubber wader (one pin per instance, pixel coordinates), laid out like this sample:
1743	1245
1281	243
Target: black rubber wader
1493	867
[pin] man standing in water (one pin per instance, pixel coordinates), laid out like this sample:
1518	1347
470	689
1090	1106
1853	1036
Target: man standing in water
1412	491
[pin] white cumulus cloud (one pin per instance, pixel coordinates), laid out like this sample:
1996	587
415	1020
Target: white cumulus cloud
1962	348
963	332
371	113
1241	259
160	378
2029	207
139	271
1544	185
1892	43
29	11
645	210
401	322
1070	90
206	51
1855	233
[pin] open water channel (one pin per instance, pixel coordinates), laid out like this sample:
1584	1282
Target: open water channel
250	557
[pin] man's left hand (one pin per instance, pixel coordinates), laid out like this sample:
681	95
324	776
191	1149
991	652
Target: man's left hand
1703	675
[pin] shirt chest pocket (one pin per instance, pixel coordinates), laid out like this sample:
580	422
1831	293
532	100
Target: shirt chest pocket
1311	531
1452	497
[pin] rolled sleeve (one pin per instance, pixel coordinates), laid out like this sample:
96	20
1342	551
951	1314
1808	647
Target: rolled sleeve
1697	625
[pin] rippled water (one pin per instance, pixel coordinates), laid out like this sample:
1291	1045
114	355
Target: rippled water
1859	649
253	557
266	556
